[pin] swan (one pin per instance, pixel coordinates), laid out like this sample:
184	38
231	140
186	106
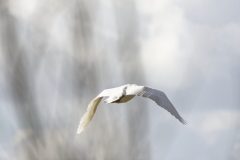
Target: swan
124	94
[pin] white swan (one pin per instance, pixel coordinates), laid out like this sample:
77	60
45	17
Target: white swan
126	93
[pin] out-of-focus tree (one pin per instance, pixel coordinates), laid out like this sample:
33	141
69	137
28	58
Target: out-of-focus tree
52	80
131	68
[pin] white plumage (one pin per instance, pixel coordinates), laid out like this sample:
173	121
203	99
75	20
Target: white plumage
123	94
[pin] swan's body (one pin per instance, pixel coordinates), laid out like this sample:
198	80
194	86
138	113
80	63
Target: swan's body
124	94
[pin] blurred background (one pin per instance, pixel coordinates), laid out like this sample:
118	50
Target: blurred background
57	55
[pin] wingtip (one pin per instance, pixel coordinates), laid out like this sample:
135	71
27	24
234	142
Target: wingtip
79	131
184	122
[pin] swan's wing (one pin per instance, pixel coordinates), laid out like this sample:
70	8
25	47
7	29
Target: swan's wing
158	96
87	117
111	91
92	107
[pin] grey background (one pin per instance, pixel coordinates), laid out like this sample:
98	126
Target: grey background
56	56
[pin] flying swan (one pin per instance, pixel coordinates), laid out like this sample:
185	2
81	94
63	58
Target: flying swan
124	94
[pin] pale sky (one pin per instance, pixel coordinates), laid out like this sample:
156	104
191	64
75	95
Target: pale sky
188	49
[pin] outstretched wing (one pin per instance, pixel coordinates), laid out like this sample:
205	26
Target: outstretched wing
158	96
92	107
87	117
